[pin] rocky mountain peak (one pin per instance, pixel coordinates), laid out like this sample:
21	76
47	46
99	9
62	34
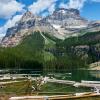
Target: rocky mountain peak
67	21
68	11
27	16
61	24
75	11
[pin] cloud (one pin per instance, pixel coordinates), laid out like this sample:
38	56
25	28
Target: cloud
41	5
77	4
9	7
45	7
9	23
51	9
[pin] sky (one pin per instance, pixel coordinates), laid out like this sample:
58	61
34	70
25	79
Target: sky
12	10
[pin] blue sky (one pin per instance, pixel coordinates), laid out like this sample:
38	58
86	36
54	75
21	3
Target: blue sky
12	10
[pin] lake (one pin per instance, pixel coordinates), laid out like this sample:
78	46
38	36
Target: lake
75	75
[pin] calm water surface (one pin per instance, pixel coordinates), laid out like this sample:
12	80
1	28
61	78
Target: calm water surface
75	75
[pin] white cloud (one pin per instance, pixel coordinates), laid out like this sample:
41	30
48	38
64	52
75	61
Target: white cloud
9	7
10	23
42	5
52	8
77	4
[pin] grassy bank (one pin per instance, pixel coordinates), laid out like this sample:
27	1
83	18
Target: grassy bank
25	87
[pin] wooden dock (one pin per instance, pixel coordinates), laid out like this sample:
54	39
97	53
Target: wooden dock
86	85
90	84
61	81
55	97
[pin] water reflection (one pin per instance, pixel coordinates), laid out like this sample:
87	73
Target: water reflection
95	74
78	75
75	75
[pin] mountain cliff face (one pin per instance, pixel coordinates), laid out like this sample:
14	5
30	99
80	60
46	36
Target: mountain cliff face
27	25
68	22
62	24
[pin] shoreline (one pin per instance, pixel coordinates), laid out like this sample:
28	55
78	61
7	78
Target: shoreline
95	68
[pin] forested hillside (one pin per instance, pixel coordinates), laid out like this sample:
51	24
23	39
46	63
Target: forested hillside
40	51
